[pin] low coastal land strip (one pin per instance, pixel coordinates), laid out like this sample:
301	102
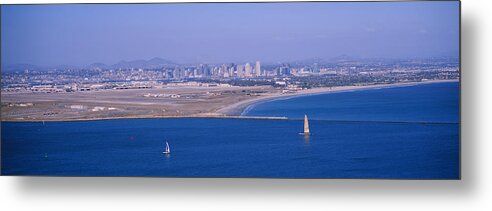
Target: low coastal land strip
160	102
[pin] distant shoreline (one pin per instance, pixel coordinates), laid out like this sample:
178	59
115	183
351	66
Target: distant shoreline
152	117
237	110
241	108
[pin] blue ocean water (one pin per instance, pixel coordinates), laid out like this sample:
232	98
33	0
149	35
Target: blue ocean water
247	148
435	102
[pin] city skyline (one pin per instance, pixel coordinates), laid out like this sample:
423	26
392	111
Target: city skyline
121	64
51	35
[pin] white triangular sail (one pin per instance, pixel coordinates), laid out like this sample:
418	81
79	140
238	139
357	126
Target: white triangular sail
168	150
306	125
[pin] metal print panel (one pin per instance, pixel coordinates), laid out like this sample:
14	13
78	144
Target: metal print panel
355	90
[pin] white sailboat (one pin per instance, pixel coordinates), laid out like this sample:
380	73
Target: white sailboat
167	150
306	126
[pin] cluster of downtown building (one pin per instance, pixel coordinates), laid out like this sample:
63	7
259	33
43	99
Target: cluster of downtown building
222	71
294	75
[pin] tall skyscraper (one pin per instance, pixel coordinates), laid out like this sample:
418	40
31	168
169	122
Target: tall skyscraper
284	69
315	68
224	71
257	69
247	70
206	71
240	70
216	71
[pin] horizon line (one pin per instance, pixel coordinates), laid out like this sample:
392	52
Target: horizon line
171	62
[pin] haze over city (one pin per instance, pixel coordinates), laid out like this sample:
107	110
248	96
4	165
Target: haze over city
239	32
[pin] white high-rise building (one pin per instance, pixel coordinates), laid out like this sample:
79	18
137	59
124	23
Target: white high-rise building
247	70
225	71
257	69
231	71
240	70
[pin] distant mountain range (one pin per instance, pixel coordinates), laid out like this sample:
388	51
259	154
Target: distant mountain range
341	58
155	62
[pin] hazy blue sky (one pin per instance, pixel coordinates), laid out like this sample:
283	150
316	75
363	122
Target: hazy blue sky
84	34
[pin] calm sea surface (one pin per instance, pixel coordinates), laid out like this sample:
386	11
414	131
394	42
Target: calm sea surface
437	102
424	144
